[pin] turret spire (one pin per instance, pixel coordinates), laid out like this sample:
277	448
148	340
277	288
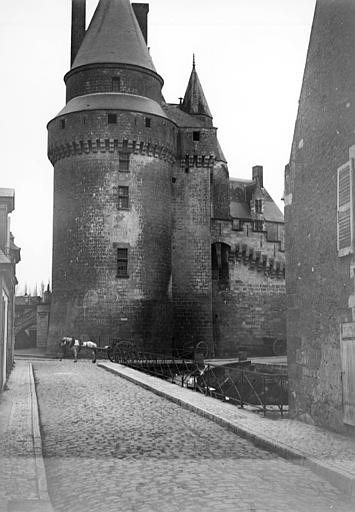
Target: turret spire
194	100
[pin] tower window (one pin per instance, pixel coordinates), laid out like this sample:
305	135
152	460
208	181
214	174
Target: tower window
62	124
123	161
147	122
116	84
123	198
258	206
122	262
112	118
196	136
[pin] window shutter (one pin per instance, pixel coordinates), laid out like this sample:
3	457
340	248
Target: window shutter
345	209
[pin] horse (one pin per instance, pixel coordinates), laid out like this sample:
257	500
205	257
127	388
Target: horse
76	345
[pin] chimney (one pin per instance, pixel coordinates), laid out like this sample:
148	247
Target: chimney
77	26
258	175
141	12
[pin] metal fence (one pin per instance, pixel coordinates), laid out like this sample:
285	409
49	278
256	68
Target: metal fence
241	384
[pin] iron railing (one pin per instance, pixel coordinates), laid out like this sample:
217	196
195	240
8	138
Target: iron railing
241	384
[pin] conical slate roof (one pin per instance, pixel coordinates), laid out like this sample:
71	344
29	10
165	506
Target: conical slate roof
114	36
194	100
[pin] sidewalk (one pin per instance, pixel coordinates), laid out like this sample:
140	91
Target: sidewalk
330	455
23	484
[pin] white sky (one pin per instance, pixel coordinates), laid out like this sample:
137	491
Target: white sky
250	56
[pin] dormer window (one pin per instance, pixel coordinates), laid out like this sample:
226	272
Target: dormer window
258	206
258	225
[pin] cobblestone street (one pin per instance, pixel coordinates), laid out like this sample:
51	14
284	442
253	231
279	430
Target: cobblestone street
110	445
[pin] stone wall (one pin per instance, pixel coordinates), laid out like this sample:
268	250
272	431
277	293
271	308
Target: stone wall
96	78
89	299
249	307
319	283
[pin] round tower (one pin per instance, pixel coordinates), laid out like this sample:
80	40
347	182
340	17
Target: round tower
112	148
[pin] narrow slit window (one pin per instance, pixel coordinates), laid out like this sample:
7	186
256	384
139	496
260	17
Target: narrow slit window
116	84
123	161
62	124
122	262
147	122
112	118
123	198
196	136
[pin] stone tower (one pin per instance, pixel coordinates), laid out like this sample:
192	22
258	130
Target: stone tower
112	148
191	250
319	226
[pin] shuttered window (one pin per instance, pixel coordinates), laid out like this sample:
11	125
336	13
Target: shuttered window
345	209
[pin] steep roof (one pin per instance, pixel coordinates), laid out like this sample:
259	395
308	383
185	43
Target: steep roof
241	191
194	99
114	36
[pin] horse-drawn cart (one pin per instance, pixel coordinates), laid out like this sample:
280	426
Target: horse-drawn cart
121	350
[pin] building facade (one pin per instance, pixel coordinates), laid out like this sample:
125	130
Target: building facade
144	236
319	190
9	256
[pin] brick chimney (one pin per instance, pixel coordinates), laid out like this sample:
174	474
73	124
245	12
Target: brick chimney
141	12
77	26
258	175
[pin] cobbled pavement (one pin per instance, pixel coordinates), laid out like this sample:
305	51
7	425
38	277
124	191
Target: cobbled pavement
110	445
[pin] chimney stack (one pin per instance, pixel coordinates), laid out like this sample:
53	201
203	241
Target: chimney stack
258	175
77	26
141	12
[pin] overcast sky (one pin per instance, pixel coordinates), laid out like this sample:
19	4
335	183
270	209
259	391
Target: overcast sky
250	57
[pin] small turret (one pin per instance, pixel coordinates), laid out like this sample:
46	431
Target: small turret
194	102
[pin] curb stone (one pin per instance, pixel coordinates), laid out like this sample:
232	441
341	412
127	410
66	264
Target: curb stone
342	480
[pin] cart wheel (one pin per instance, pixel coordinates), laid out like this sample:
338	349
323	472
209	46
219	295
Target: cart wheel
110	354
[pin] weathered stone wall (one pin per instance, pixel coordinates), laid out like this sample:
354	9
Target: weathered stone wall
248	317
318	282
220	192
88	298
191	257
96	78
249	310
